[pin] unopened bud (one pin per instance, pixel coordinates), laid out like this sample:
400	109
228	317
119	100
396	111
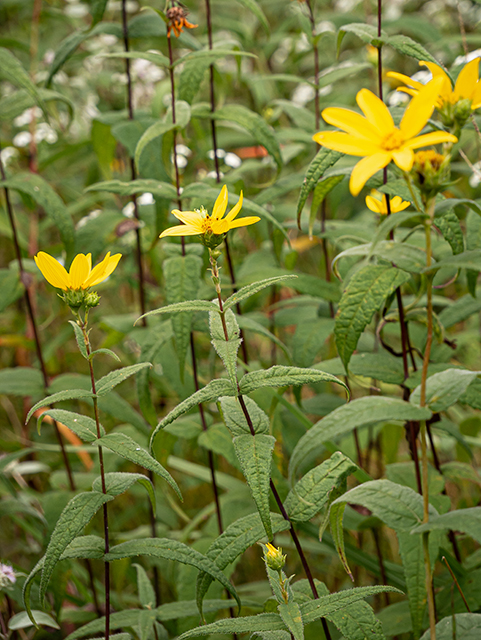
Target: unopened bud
92	299
274	558
430	172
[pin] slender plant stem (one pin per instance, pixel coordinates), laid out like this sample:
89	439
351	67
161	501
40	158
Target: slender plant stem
456	583
192	344
133	173
424	455
315	49
83	326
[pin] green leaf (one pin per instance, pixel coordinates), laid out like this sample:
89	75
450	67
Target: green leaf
249	624
226	349
118	620
322	189
183	307
291	616
368	33
314	286
253	6
81	547
326	605
79	337
449	226
248	324
146	624
211	55
170	550
155	187
392	222
12	70
43	194
324	159
218	440
464	260
76	515
380	366
118	482
405	256
22	620
97	10
182	281
363	296
112	379
357	622
465	520
449	203
182	113
126	447
237	538
11	288
68	394
280	376
255	124
255	456
83	426
355	414
251	289
313	490
191	77
212	391
145	588
461	309
21	381
444	389
409	47
461	625
235	419
107	352
309	337
16	103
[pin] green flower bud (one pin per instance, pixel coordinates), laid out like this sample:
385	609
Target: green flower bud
211	240
92	299
274	558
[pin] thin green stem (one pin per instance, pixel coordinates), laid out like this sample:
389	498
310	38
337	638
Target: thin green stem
83	326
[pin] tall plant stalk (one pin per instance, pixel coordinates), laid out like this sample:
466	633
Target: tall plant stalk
203	421
245	411
83	326
133	173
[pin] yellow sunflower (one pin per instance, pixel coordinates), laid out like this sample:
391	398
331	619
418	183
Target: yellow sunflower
81	274
374	136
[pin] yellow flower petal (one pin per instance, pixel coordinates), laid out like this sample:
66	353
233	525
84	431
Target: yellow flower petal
403	158
51	269
366	168
467	80
445	90
434	137
111	266
375	111
189	217
351	122
79	271
345	143
476	99
235	209
102	270
223	226
406	79
220	204
420	109
181	230
373	204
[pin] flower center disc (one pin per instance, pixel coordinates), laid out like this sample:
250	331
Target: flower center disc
393	140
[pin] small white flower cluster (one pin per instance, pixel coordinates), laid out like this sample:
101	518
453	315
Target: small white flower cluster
7	576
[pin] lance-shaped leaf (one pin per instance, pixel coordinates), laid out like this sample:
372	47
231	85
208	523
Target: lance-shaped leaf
76	515
182	281
355	414
112	379
409	47
12	70
449	226
79	337
323	188
81	547
212	391
118	482
68	394
445	388
363	296
280	376
324	159
255	287
249	624
226	349
182	113
118	620
42	193
152	56
133	187
461	625
236	421
126	447
171	550
292	618
326	605
22	620
249	324
313	490
400	508
83	426
465	520
465	260
237	538
145	588
183	307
